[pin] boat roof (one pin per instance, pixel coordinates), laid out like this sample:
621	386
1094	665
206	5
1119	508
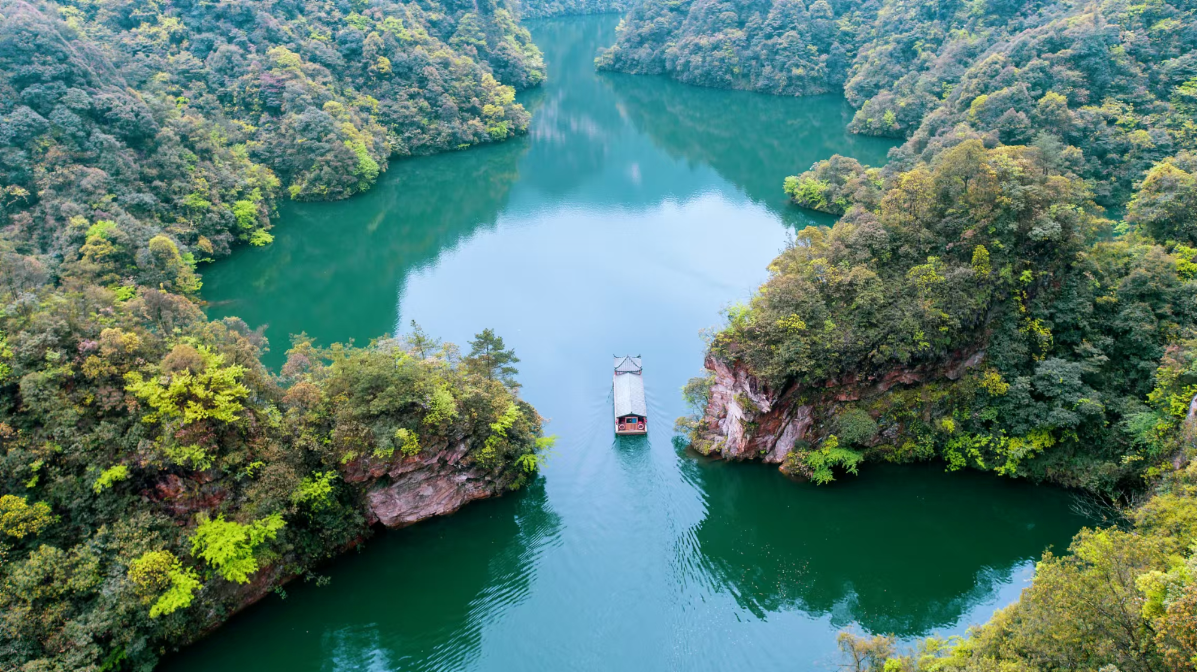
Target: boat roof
629	396
627	364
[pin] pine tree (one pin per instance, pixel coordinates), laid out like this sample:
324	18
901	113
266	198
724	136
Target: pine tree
419	343
489	357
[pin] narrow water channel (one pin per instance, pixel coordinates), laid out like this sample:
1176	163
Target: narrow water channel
633	213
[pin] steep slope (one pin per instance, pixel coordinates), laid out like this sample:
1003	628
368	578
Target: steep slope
541	9
193	118
155	477
1116	81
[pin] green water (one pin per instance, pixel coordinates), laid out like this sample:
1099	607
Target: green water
636	209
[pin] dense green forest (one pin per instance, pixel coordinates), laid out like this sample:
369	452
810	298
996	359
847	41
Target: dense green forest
156	476
1115	80
978	309
539	9
194	117
975	304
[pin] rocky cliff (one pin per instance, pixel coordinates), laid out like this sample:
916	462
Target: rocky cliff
397	492
406	490
746	420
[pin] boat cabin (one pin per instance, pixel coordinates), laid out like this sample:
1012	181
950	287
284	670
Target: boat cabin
631	413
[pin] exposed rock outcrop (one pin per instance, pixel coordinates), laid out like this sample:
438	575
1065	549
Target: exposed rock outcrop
746	420
397	492
430	483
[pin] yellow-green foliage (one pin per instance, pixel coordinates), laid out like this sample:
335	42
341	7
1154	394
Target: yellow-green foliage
102	229
409	441
5	356
832	185
176	271
1009	451
213	392
820	462
406	396
162	579
1166	202
980	261
442	408
498	435
188	455
994	384
109	477
232	548
1119	599
987	258
19	519
260	238
531	462
51	573
316	490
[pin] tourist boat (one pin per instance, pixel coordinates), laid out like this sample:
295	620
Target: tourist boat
631	414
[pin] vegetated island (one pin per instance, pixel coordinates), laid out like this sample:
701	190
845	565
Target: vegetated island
974	305
156	477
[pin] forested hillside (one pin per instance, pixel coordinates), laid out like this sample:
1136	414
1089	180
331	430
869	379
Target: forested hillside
986	256
975	305
155	476
1115	80
539	9
978	310
195	117
787	47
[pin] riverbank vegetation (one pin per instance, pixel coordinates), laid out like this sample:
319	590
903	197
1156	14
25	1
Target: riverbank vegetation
974	304
155	476
542	9
1113	80
978	310
989	255
1122	597
196	120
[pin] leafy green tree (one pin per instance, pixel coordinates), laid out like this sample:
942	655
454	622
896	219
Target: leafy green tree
110	477
1166	202
195	386
232	548
162	579
866	654
315	491
832	185
819	463
420	343
407	441
489	357
442	408
165	267
19	519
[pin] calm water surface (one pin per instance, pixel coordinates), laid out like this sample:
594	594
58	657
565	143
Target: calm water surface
636	209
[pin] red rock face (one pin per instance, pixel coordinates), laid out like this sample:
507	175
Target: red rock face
434	482
745	420
436	485
405	490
